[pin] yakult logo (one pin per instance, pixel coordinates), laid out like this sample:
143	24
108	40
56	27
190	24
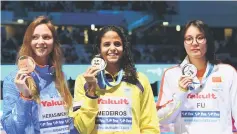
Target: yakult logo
113	101
52	103
202	96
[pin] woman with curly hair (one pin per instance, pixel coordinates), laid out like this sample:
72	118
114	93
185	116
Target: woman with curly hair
125	99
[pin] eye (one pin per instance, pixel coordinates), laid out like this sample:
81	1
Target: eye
35	37
201	37
188	38
106	44
117	44
47	37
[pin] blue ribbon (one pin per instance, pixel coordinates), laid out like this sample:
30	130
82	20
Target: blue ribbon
204	80
103	82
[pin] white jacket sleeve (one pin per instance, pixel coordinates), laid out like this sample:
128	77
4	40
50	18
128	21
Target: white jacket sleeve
169	102
233	93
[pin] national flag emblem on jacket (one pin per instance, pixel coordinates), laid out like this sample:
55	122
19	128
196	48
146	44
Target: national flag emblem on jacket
216	79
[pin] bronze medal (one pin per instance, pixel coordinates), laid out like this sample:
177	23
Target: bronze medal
26	62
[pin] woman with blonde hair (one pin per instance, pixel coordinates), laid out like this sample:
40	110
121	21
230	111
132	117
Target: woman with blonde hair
36	98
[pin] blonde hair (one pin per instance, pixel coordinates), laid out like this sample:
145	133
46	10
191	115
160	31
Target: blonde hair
55	59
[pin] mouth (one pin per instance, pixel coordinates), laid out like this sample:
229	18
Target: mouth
112	54
41	48
195	50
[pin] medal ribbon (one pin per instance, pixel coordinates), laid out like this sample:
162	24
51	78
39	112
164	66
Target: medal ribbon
103	82
203	81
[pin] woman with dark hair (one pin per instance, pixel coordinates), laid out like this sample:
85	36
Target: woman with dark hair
126	103
200	94
36	98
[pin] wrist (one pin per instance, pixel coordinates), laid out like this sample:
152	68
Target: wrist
25	97
91	94
183	89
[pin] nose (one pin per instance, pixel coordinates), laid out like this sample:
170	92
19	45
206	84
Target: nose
195	42
112	46
40	40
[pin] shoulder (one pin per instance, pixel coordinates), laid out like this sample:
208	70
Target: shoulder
141	75
226	68
80	78
172	71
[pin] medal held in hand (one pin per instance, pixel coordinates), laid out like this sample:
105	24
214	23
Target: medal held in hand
102	81
26	62
189	70
98	62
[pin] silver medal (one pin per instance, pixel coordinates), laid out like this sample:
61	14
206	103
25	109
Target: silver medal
189	70
98	62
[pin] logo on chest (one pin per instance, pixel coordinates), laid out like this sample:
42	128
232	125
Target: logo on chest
217	84
113	101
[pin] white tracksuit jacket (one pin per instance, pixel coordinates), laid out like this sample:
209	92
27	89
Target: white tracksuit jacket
205	110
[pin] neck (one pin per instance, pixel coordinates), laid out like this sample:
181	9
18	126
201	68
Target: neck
41	61
112	68
199	63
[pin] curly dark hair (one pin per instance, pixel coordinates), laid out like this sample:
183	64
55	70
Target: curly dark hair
210	54
127	63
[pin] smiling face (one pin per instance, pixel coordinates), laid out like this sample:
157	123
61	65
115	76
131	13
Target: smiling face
195	43
111	47
42	42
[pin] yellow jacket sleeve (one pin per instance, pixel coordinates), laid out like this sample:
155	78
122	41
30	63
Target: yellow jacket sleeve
149	123
84	118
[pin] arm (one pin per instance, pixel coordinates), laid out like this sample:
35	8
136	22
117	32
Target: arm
233	93
84	118
149	123
16	110
169	104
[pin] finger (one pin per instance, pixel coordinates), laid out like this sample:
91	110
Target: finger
19	76
24	79
186	79
88	69
96	72
23	72
183	82
183	76
23	69
93	70
96	67
22	76
187	84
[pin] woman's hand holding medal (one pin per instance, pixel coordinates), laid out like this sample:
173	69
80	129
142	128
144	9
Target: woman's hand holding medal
97	65
184	82
90	77
26	65
189	71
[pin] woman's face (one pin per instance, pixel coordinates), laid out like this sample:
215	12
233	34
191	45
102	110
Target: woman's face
195	43
111	47
42	42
